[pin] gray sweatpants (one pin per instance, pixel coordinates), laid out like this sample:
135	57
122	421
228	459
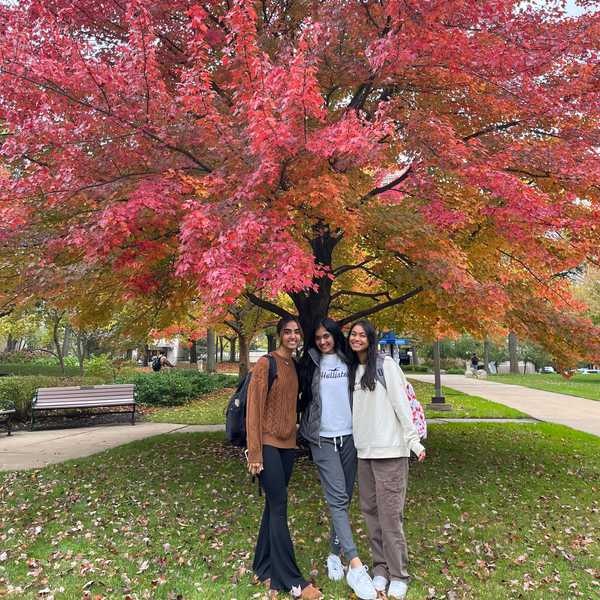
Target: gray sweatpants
336	461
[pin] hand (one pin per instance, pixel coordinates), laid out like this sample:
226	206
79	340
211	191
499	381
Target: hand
255	468
421	456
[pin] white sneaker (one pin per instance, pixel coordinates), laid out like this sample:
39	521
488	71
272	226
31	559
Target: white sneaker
380	583
335	569
397	589
359	580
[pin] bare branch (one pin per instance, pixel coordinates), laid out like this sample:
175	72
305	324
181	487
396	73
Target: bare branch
379	307
278	310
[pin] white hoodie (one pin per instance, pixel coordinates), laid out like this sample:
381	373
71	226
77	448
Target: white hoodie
381	419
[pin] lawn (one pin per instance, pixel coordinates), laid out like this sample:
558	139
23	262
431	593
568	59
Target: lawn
497	511
584	386
210	409
463	405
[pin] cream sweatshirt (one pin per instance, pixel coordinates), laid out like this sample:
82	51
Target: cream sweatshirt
381	419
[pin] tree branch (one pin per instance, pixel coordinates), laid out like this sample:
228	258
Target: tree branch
491	129
278	310
379	307
361	294
345	268
388	186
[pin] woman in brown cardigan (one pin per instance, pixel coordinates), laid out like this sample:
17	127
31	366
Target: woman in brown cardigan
271	434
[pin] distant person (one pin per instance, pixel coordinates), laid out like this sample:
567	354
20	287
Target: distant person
160	361
474	362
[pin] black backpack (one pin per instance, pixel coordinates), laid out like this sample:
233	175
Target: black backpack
235	414
156	364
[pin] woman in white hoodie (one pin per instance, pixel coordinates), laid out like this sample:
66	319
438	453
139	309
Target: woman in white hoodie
384	436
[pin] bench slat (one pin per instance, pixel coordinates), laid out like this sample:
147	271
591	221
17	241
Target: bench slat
116	386
83	394
121	399
82	404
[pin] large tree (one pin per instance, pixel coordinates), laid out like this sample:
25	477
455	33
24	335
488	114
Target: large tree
437	155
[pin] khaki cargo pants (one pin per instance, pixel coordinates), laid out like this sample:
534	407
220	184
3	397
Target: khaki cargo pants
382	487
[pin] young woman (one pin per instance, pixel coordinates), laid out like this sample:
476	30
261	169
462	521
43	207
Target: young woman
326	425
384	436
271	435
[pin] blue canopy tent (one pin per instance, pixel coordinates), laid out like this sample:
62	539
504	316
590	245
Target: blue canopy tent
390	340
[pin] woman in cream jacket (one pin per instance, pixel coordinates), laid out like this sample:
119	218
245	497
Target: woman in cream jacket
384	436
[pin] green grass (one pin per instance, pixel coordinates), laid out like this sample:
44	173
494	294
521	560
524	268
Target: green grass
584	386
210	408
496	511
463	405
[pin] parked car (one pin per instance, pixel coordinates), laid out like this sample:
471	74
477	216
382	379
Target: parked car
585	371
547	369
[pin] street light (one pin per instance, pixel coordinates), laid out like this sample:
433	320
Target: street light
438	402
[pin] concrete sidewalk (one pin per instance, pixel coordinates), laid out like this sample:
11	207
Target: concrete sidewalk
578	413
35	449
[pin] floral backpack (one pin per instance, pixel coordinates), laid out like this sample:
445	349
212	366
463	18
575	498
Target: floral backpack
418	414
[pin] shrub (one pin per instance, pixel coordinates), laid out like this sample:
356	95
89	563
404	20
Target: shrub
99	366
33	368
413	369
6	404
174	388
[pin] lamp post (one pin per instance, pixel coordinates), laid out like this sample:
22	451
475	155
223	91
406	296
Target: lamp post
438	402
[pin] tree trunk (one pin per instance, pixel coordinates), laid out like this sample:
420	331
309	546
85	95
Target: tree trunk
193	353
512	352
415	356
66	341
271	342
80	349
11	343
313	305
486	355
244	356
232	342
57	343
146	358
220	348
210	351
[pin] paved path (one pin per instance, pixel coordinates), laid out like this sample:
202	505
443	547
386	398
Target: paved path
35	449
578	413
26	449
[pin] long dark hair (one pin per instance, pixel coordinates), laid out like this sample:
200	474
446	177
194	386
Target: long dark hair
307	365
367	381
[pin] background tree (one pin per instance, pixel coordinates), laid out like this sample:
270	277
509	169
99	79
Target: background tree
443	151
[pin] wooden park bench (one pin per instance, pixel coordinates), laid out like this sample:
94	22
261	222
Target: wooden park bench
84	397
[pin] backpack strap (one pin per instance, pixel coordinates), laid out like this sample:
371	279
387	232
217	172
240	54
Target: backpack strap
272	370
379	374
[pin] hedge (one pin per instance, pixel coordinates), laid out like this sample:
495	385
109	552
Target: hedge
174	388
24	369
